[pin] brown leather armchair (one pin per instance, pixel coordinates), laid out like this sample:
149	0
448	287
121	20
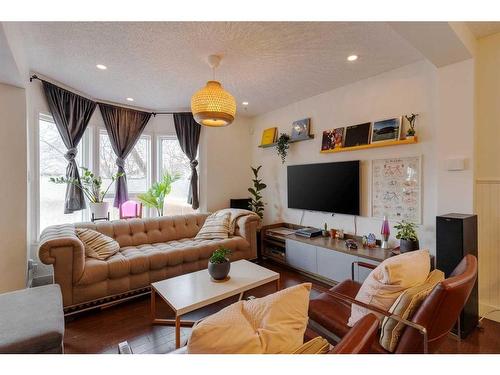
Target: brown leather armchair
426	329
360	338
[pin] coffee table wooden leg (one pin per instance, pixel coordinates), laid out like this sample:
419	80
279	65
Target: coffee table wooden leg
177	331
153	305
278	286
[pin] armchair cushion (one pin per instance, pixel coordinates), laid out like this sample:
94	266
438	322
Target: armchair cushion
389	279
405	306
272	324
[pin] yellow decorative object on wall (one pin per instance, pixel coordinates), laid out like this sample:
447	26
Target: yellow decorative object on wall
269	136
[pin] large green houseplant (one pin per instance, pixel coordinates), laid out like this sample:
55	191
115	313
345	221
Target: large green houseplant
256	203
155	196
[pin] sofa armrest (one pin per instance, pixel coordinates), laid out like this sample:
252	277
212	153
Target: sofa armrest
60	246
246	227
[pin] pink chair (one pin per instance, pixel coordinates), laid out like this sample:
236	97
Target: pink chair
130	210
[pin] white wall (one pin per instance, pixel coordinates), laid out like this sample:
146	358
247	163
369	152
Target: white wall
13	193
414	88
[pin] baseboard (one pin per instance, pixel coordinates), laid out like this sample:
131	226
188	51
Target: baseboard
42	280
485	309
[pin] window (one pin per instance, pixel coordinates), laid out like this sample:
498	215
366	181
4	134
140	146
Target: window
173	159
53	164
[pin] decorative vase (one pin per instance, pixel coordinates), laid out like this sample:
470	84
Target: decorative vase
219	271
100	210
333	233
325	233
410	137
385	232
408	245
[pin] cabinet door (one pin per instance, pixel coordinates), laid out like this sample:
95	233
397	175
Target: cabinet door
334	265
361	273
301	255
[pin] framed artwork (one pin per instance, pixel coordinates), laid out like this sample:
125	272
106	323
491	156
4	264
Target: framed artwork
269	136
397	189
357	135
386	130
338	137
300	129
332	139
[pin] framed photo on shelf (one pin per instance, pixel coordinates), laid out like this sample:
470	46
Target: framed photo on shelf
357	135
300	129
269	136
386	130
327	141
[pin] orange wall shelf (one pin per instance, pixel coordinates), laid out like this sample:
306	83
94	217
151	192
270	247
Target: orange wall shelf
372	145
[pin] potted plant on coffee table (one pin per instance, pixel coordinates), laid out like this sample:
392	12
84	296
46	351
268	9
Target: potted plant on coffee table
407	236
91	186
218	264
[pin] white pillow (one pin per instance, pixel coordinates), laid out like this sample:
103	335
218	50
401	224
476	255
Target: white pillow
386	282
215	227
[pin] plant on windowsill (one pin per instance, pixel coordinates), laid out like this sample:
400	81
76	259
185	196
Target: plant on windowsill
155	196
410	133
91	186
407	236
256	203
282	146
218	263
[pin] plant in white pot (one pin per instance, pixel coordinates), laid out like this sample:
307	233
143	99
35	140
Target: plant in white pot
91	186
155	196
407	236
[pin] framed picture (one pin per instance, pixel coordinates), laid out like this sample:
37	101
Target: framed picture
386	130
300	129
338	137
269	136
327	141
357	135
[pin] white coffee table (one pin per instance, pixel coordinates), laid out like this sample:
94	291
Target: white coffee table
195	290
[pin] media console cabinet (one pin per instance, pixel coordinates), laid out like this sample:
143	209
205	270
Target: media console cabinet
324	258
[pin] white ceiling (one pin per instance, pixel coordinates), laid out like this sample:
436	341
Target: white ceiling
482	29
162	64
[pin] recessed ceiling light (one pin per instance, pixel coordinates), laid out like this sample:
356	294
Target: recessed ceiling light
352	58
130	99
102	67
244	103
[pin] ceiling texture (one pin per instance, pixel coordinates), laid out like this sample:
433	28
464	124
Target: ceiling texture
161	64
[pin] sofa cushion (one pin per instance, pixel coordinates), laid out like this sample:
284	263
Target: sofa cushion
97	245
405	306
391	277
32	320
216	226
272	324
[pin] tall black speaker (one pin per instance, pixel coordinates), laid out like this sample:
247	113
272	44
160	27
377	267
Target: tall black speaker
456	236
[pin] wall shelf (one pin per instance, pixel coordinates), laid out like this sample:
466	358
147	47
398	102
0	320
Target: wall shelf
373	145
311	136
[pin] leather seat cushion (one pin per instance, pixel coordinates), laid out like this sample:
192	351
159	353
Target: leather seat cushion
331	313
132	260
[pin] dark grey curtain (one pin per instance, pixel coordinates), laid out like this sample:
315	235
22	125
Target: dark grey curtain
124	127
188	133
71	114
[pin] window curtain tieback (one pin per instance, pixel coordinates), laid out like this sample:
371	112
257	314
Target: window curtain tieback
70	155
194	164
120	162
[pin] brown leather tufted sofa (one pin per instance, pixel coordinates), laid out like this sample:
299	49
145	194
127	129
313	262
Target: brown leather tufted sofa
151	249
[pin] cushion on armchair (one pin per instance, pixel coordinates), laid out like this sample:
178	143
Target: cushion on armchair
391	277
272	324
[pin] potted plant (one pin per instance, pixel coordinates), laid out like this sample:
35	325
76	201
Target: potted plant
91	186
155	196
407	236
256	203
282	146
410	133
325	231
218	264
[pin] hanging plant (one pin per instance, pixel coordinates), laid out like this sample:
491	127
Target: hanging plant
282	146
411	121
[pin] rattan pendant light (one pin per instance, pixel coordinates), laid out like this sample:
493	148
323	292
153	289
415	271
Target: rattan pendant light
212	105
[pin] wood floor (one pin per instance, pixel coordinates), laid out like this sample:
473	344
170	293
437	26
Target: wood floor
100	331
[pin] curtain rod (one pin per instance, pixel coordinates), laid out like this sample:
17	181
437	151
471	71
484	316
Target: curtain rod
34	76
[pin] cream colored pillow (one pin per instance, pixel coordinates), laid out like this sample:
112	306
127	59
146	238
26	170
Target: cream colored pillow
97	245
317	345
215	227
386	282
269	325
405	306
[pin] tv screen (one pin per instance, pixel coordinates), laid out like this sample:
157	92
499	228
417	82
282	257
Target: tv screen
327	187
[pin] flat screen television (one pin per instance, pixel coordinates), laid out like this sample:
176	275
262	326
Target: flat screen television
327	187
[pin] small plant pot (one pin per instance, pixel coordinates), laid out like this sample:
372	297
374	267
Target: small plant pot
408	245
100	210
219	271
410	137
325	233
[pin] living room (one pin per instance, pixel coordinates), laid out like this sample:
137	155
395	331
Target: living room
299	186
